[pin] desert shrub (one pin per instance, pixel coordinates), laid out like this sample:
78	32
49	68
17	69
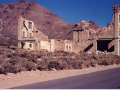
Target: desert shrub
67	60
105	62
93	63
8	52
7	67
43	64
21	53
22	60
16	69
113	62
117	61
24	54
64	65
94	56
115	56
39	56
14	60
39	67
30	66
32	58
61	52
100	62
1	51
6	64
18	60
17	64
2	70
54	64
11	54
76	65
87	64
13	69
2	60
82	65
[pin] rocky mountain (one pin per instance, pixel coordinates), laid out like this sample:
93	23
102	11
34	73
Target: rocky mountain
45	20
106	31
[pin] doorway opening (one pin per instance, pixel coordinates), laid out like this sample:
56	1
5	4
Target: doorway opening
22	45
105	45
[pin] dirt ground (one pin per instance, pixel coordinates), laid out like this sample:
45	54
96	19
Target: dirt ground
29	77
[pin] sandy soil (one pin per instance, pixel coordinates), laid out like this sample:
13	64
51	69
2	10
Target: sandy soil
24	78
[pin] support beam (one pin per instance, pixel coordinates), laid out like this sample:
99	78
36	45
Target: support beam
116	50
95	45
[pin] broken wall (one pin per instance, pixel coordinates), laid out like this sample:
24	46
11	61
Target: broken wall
59	45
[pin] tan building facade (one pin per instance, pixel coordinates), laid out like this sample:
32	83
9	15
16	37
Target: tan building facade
32	39
29	37
111	39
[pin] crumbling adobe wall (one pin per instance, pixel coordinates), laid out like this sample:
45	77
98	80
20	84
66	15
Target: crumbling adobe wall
86	47
85	35
39	35
76	47
45	45
90	47
59	45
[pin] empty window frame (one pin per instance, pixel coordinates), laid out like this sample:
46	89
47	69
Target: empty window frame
69	48
30	45
31	35
30	25
23	34
66	48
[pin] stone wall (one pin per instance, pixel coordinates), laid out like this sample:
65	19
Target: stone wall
76	47
59	45
45	45
76	36
39	35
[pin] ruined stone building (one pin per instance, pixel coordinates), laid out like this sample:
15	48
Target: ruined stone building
110	40
32	39
29	37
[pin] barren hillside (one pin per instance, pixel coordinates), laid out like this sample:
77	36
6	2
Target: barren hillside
45	20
